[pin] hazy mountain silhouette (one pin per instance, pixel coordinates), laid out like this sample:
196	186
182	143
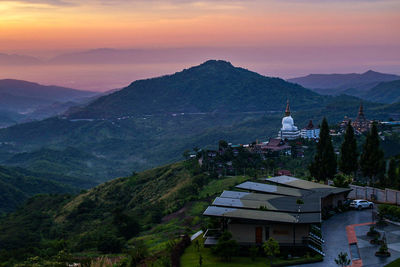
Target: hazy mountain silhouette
352	83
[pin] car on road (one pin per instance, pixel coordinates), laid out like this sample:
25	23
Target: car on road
361	204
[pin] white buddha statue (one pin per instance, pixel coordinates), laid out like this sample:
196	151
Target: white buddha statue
289	130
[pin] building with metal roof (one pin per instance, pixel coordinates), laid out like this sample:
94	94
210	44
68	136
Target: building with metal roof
286	208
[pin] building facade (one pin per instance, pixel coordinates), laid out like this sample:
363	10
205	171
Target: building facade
310	131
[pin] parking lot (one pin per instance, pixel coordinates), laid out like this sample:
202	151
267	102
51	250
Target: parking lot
336	241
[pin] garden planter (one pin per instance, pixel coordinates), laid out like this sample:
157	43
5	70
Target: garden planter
382	254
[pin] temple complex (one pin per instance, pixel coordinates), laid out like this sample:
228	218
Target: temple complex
360	124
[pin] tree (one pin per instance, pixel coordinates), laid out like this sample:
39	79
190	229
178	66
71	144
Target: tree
186	154
392	176
348	162
226	247
372	161
342	259
271	248
342	180
138	253
109	243
222	144
324	165
126	225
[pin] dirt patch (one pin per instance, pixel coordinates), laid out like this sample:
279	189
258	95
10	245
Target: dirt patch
179	214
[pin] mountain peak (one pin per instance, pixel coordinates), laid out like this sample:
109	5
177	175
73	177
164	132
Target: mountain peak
216	62
370	72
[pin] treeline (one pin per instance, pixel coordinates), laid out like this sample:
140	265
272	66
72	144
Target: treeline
365	166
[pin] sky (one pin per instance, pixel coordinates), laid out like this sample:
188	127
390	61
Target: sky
369	28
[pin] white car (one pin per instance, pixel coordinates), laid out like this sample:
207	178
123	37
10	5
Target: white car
361	204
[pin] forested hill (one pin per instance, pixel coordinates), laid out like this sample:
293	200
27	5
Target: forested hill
385	92
105	217
17	185
214	86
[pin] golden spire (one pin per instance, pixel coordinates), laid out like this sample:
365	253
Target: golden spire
287	112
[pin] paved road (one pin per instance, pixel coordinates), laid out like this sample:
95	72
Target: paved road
334	233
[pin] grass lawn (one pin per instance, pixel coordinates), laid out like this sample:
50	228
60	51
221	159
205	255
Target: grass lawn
394	263
217	186
191	258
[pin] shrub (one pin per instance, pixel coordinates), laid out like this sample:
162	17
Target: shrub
390	212
226	247
178	249
109	243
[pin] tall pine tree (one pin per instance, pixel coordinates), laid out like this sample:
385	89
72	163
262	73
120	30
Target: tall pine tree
372	160
348	162
324	165
393	179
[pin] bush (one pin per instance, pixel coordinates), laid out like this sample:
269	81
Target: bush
226	248
127	225
109	243
390	212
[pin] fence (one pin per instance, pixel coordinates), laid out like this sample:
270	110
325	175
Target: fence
374	194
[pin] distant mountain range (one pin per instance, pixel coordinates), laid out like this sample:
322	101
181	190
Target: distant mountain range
22	100
151	122
363	85
13	59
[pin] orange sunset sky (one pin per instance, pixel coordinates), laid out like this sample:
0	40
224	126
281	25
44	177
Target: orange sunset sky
49	27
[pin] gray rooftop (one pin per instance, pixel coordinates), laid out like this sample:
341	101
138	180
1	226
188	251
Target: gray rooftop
260	215
321	190
272	189
267	201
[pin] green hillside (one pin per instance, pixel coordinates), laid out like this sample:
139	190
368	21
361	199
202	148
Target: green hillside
69	161
103	149
17	185
385	92
214	86
140	207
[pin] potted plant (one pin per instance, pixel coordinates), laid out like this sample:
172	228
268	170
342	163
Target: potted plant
373	233
383	250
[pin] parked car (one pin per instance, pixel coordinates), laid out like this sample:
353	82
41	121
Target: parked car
361	204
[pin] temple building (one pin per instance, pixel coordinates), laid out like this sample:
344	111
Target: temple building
360	124
289	130
310	132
